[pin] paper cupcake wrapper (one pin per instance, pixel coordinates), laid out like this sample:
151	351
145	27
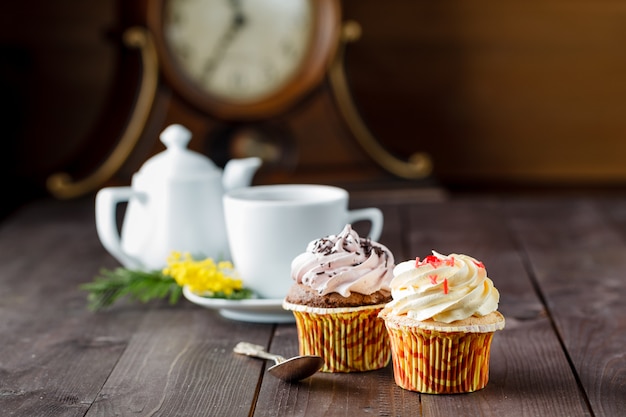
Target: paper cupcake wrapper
350	339
435	362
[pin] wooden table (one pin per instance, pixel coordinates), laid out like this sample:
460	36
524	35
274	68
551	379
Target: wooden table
559	263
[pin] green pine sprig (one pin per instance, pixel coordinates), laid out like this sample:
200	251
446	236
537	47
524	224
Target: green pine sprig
113	285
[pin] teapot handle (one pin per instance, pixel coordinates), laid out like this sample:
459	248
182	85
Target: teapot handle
107	200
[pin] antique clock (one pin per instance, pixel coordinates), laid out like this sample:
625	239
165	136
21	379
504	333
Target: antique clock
237	62
242	59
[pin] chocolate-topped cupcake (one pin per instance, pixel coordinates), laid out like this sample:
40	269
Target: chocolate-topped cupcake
341	283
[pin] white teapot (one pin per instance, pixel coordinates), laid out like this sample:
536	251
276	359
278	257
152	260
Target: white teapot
174	203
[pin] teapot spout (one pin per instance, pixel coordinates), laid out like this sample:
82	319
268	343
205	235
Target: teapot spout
238	173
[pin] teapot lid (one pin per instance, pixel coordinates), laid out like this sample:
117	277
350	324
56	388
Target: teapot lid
177	162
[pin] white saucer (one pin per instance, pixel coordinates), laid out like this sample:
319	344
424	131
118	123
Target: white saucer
256	310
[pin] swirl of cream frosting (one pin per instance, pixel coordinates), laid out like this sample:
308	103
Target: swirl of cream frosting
442	288
344	263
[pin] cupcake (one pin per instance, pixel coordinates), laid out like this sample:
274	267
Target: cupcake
441	323
341	284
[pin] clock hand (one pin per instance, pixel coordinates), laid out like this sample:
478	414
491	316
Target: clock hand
238	17
236	24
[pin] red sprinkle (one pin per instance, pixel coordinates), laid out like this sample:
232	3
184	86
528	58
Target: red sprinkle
445	285
479	264
433	279
417	262
431	260
450	261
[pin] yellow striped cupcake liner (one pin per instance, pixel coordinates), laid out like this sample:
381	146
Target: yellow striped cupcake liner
435	362
350	339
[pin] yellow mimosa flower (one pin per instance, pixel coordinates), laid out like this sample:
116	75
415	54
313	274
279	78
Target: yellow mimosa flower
203	277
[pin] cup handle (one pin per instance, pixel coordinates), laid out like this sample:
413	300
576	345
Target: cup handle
373	215
107	200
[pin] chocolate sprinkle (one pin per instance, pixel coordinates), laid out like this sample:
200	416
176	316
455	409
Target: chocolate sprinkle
326	247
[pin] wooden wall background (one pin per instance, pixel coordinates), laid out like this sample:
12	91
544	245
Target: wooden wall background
499	90
508	92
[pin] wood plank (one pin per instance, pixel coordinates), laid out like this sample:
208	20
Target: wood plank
614	211
58	358
54	354
572	224
328	394
579	265
543	385
180	362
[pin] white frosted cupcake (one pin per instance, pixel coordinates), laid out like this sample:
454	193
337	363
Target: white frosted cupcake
341	284
441	323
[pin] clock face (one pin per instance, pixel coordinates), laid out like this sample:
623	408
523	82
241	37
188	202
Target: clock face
244	58
240	50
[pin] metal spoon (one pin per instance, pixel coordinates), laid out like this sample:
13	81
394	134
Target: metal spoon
292	369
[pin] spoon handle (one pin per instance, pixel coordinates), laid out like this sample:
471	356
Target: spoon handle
257	351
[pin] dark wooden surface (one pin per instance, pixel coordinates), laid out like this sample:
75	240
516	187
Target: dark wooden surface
559	263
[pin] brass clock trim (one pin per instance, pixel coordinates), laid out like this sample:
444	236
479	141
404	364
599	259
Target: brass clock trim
62	185
419	164
312	70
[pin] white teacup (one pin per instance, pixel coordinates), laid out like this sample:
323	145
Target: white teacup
269	225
